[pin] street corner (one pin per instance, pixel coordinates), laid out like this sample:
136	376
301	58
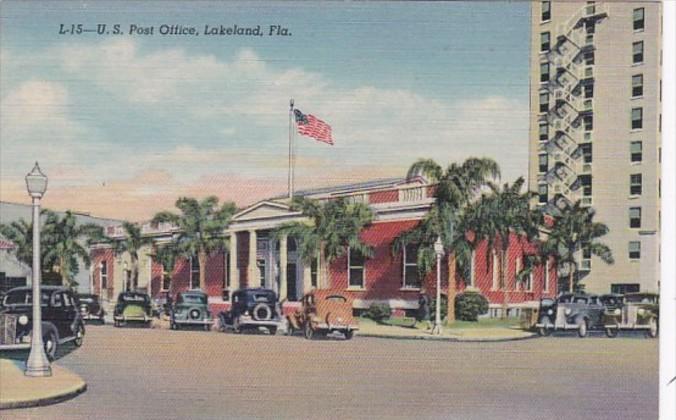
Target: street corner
20	391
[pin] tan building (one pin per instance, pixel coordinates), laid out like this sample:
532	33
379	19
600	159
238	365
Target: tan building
595	128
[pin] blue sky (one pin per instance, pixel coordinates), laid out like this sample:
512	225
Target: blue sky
140	120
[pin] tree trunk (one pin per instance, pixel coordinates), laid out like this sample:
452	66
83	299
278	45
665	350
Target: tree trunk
64	272
570	278
202	259
324	278
134	273
450	317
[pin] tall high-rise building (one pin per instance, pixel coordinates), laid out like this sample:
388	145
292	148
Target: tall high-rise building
595	101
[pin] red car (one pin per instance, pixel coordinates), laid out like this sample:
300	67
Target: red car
323	312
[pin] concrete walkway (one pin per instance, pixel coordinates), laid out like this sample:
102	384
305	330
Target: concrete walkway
19	391
371	329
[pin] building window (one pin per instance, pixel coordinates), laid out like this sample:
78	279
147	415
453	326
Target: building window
639	19
589	58
589	91
545	286
635	184
586	183
634	217
194	273
544	131
544	72
586	149
588	122
545	41
411	279
542	194
103	271
636	151
636	118
529	282
637	51
355	272
314	272
496	273
226	270
637	85
543	163
634	250
546	10
518	263
585	264
544	101
622	288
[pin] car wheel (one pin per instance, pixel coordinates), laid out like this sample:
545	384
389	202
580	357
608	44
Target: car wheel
612	331
51	344
273	330
308	331
544	331
349	334
79	336
654	329
207	327
582	328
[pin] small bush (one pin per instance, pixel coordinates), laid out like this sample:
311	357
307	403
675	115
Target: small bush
378	312
469	305
444	307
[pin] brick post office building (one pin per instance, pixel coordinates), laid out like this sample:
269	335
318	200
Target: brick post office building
255	259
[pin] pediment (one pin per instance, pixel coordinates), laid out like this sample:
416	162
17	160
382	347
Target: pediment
264	210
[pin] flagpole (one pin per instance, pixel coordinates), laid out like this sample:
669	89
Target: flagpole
291	157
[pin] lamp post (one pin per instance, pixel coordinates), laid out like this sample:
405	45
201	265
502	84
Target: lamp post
439	251
37	364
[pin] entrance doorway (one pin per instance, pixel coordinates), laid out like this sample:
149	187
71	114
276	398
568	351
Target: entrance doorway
291	290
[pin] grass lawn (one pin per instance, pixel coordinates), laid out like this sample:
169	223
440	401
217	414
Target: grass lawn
482	323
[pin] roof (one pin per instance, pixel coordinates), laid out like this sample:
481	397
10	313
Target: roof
377	183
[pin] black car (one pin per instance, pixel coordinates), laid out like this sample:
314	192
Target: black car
251	309
61	320
570	311
133	307
90	308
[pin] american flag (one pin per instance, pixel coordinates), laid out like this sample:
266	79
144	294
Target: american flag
311	126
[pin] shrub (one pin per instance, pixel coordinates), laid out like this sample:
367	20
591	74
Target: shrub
469	305
444	307
378	311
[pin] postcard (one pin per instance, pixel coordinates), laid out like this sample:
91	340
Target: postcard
452	210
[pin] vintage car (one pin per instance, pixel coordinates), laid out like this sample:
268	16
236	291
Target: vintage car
322	312
132	307
90	308
636	311
61	320
191	308
252	309
570	311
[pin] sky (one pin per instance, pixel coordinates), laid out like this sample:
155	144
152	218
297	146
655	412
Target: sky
124	124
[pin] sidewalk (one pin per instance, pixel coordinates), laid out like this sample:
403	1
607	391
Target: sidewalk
19	391
368	328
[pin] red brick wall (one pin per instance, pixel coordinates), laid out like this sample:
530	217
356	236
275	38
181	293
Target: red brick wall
97	256
243	257
389	196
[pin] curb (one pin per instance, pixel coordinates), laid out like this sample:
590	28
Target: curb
45	401
449	339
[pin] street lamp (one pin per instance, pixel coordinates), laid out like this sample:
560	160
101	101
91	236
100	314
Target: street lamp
439	251
37	364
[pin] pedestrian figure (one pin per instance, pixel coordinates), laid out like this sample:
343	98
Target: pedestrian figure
423	314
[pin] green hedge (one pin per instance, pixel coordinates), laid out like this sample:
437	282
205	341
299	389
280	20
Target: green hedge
469	305
378	312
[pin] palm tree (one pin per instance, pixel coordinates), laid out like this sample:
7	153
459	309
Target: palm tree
201	227
456	187
20	233
572	231
332	228
63	243
496	216
166	256
132	244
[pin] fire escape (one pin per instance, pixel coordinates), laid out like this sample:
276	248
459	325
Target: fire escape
570	116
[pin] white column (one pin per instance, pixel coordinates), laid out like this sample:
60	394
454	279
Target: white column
307	278
232	266
282	268
252	273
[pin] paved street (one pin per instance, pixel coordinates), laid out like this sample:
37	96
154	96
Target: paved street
139	373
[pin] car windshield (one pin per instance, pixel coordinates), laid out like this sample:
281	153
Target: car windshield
641	299
23	298
336	298
565	299
261	297
580	300
197	299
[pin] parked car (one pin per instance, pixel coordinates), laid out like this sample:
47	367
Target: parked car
636	311
61	320
132	307
322	312
570	311
253	308
191	308
90	308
